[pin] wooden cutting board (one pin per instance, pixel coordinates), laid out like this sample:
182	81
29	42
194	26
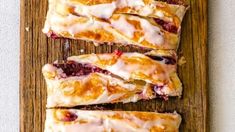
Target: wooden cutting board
37	50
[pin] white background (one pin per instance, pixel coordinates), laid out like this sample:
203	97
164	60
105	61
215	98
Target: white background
221	65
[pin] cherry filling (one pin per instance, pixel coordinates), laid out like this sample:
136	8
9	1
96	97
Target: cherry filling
68	116
156	89
71	68
166	59
170	27
53	35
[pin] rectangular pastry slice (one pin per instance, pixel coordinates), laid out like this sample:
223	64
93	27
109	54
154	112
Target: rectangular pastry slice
111	78
69	120
149	24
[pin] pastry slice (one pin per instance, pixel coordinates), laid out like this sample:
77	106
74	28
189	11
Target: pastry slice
100	24
70	120
111	78
170	14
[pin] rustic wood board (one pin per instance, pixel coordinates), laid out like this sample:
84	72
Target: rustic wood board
37	50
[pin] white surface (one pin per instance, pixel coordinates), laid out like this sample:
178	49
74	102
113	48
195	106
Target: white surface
221	65
9	65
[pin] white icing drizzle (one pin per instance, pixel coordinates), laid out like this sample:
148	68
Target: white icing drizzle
135	3
124	70
129	3
119	68
122	25
159	14
82	10
152	33
100	121
56	95
146	11
102	10
106	10
74	28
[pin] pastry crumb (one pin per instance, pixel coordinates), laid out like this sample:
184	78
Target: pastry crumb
96	44
182	61
82	50
27	29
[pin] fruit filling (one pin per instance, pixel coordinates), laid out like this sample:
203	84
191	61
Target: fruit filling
166	59
71	68
168	26
66	116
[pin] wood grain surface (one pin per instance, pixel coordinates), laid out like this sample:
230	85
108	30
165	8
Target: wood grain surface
37	50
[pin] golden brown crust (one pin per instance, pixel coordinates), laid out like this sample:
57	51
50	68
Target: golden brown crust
169	10
122	77
107	22
134	66
100	121
94	89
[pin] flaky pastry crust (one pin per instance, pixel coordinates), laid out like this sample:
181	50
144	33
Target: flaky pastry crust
111	121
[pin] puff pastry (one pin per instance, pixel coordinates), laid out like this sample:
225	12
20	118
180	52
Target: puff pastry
110	78
70	120
144	23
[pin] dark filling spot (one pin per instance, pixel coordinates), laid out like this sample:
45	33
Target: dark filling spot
69	116
53	36
169	60
157	58
157	88
166	59
71	68
104	20
170	27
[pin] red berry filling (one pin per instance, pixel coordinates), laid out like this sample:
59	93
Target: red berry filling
69	116
166	59
71	68
168	26
158	88
53	35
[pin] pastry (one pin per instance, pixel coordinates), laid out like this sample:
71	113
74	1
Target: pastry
149	24
110	78
70	120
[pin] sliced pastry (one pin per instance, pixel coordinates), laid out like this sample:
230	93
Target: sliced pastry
147	23
70	120
111	78
169	12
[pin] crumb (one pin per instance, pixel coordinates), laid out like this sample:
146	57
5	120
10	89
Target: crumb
96	43
82	50
182	61
27	29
